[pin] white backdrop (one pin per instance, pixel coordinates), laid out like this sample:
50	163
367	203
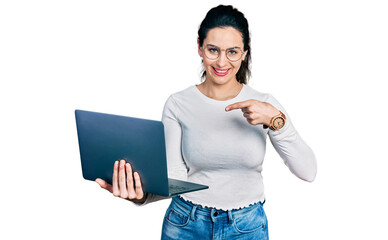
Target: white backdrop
325	61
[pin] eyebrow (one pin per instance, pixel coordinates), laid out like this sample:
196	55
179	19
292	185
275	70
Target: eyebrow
212	45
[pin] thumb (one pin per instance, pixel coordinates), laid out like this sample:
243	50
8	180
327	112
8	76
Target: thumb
104	184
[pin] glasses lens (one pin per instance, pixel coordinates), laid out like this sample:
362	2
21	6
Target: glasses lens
234	54
212	52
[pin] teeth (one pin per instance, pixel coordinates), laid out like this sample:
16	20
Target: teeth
220	71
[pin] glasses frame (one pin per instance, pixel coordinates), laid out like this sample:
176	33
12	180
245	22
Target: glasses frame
220	50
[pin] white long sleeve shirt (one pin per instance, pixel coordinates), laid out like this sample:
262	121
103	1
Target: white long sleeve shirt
207	145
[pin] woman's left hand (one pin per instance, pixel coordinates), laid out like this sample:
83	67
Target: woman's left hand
256	112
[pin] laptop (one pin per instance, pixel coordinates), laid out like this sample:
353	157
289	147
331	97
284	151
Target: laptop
106	138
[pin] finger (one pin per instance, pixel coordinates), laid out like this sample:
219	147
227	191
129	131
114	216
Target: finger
238	105
116	191
252	121
248	116
104	184
130	185
122	180
245	110
253	116
139	189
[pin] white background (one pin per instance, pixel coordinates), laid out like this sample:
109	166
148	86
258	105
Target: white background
325	61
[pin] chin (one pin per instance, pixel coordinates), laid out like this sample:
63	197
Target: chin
220	80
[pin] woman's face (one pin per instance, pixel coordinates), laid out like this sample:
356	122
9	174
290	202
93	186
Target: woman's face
222	71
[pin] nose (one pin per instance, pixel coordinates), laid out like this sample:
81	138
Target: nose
222	60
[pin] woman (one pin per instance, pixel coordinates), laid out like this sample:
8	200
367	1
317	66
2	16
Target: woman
210	142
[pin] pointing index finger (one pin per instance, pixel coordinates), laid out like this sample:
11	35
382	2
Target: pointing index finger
238	105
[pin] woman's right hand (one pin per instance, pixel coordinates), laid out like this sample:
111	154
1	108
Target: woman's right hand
125	185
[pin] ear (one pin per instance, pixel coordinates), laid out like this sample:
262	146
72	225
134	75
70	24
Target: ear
200	52
244	55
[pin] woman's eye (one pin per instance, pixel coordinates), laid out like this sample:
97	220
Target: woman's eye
232	52
213	50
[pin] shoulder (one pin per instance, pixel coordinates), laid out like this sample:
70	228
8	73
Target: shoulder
251	93
182	96
189	91
254	94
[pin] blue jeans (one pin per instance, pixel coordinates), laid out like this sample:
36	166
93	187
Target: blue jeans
185	220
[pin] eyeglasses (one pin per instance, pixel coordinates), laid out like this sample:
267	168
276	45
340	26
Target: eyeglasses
213	52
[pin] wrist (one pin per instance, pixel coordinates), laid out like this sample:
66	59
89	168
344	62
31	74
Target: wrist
277	122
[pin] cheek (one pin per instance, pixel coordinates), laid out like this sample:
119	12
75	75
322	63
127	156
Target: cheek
236	66
206	63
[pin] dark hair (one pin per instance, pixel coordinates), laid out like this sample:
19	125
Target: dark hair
228	16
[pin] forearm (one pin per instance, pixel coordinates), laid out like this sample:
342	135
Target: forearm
296	154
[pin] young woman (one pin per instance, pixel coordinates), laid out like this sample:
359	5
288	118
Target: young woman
216	135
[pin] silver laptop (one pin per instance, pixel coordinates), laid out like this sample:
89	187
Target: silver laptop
106	138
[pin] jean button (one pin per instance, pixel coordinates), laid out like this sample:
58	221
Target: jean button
215	214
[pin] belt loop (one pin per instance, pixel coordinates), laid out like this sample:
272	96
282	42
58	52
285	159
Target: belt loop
192	217
230	217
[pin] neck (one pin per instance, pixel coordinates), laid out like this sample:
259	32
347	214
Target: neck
220	92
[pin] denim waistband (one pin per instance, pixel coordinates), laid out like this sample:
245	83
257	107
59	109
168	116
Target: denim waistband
191	208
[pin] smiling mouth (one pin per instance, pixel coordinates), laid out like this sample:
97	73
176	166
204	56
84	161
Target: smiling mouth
220	72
